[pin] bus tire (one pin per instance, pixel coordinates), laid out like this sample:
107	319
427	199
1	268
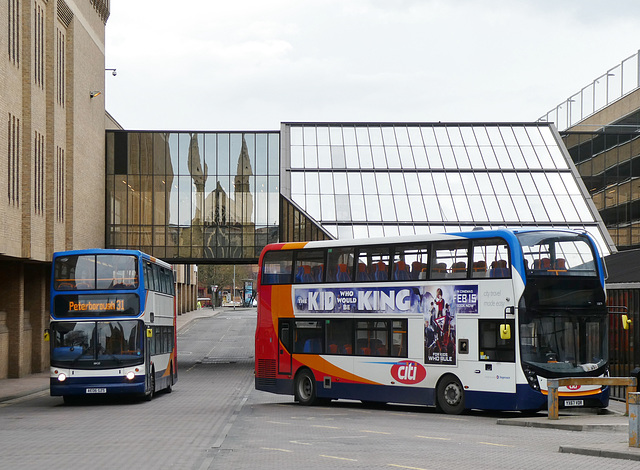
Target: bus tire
305	388
152	386
450	395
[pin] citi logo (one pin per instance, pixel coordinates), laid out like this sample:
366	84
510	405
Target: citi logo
408	372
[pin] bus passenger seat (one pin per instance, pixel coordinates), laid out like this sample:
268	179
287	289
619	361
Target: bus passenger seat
307	277
459	269
347	349
400	272
560	264
416	268
333	348
381	271
343	274
362	275
480	268
439	271
299	275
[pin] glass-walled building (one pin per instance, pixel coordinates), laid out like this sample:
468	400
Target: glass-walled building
361	180
194	196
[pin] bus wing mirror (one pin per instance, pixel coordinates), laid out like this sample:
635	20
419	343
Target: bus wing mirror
149	333
505	331
626	321
47	334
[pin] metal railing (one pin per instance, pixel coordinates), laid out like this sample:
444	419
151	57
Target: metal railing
612	85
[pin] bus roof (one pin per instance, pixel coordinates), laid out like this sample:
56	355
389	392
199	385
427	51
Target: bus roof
112	251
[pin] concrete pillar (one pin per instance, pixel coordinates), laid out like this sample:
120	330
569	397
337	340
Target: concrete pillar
12	302
633	400
36	289
4	346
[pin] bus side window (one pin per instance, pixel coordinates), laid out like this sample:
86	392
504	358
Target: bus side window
490	258
309	266
339	265
277	267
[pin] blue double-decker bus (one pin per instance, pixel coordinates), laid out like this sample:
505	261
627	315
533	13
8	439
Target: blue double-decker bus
113	324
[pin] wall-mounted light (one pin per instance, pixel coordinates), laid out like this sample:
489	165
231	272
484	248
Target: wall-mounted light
93	94
113	71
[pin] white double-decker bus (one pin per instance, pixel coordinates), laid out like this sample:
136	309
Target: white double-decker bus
470	320
113	324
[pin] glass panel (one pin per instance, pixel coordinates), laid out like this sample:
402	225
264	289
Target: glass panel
462	208
455	183
489	157
475	158
508	211
349	135
309	135
369	183
357	208
402	136
455	136
343	211
522	207
328	204
351	157
340	183
384	184
337	156
366	158
324	157
355	183
397	183
411	180
433	208
542	184
406	158
469	183
420	157
537	207
416	203
493	209
393	157
426	183
340	264
527	183
310	156
497	181
309	266
433	158
478	212
583	210
515	154
373	207
544	156
296	135
379	158
297	157
335	136
447	157
375	135
429	137
362	136
402	207
326	183
322	134
388	210
389	137
569	212
558	157
530	157
503	157
461	157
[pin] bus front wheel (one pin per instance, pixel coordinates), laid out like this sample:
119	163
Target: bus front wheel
450	395
305	388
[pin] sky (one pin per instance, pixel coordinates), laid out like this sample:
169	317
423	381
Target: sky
252	64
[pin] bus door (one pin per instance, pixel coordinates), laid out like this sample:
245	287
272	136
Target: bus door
285	332
496	367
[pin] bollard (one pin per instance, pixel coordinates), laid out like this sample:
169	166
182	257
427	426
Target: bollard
633	400
552	399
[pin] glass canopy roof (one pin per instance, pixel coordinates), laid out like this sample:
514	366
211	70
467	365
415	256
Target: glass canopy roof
362	180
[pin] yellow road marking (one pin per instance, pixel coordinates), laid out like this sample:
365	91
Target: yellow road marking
375	432
337	458
321	426
404	466
437	438
300	443
493	444
273	448
455	419
276	422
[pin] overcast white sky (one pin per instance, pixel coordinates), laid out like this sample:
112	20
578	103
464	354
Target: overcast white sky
251	64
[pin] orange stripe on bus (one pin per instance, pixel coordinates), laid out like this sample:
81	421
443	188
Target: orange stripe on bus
323	367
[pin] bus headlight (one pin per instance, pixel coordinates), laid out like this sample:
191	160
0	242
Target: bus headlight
130	375
62	377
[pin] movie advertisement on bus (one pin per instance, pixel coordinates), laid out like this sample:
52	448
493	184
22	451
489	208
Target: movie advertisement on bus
439	307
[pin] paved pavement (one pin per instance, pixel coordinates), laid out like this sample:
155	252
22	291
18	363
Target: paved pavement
612	419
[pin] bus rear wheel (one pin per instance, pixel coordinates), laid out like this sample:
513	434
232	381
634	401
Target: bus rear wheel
305	388
450	395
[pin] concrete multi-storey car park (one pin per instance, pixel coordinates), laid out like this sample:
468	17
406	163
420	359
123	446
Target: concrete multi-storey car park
219	197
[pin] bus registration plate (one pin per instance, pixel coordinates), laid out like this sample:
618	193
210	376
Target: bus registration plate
574	403
96	390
